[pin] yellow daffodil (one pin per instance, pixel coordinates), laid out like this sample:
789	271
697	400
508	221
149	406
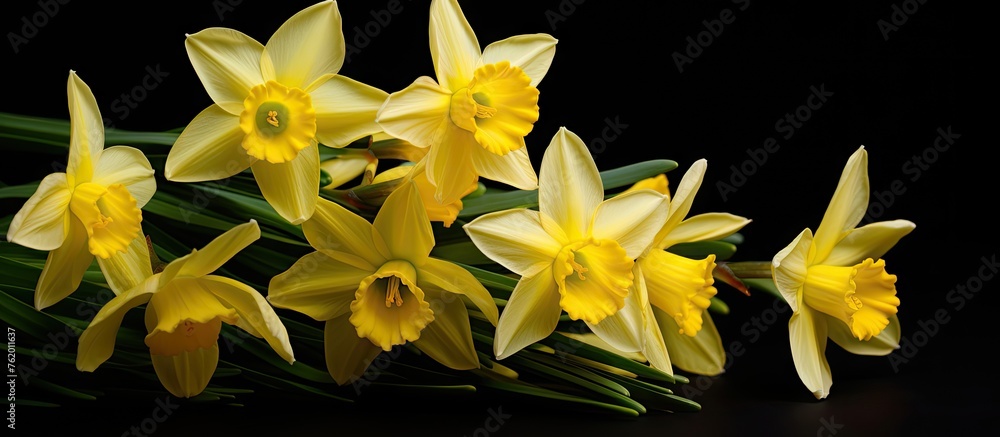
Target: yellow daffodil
575	253
185	308
91	210
436	212
475	116
273	104
376	287
678	288
836	284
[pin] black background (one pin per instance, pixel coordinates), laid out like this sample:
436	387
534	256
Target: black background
614	61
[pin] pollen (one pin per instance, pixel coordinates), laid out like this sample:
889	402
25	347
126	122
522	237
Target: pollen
579	269
392	293
272	118
483	111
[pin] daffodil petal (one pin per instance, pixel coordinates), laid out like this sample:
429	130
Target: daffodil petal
403	224
186	374
702	354
454	46
654	346
291	187
254	312
64	267
532	53
86	138
703	227
347	355
847	207
632	219
869	241
43	221
789	268
516	239
308	46
570	187
343	170
228	63
623	330
220	250
97	342
680	202
209	148
345	110
436	273
885	343
449	164
317	286
126	270
345	236
513	169
127	166
448	339
418	114
807	333
531	314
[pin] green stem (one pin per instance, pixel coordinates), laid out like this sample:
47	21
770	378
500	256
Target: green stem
751	269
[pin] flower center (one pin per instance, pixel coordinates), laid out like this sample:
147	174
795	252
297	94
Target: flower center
499	106
593	278
188	337
388	308
681	287
278	122
862	296
110	216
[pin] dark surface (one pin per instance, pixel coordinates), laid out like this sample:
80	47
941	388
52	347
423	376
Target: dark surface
614	62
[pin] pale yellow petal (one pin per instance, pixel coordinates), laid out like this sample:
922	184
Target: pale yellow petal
317	286
654	346
126	270
97	342
570	187
449	164
186	374
448	339
253	310
291	187
436	273
343	169
847	207
516	239
513	169
680	202
228	63
308	46
345	110
418	114
704	227
345	236
807	331
209	148
702	354
623	330
403	224
43	221
789	268
532	53
632	219
531	314
64	267
220	250
885	343
86	137
347	355
869	241
454	46
127	166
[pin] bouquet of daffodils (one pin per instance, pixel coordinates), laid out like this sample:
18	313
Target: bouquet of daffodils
342	237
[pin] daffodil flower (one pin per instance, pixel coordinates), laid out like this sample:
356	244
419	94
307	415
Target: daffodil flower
185	308
91	210
575	253
274	104
376	287
446	213
679	289
836	284
475	116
